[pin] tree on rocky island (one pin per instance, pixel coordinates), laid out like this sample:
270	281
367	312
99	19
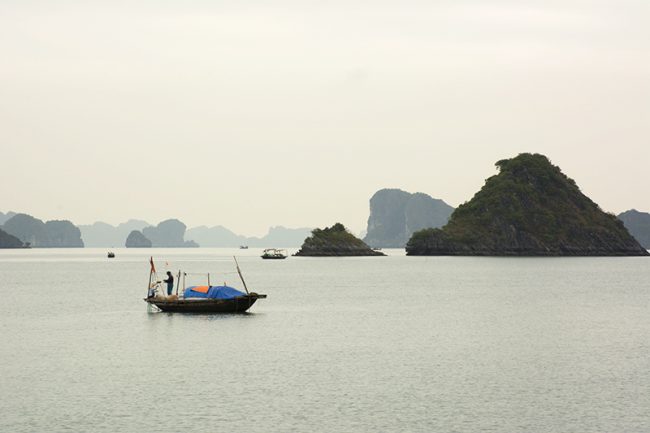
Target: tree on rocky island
335	241
529	209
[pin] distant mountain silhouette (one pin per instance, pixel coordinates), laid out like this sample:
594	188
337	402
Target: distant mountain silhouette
217	236
52	234
101	234
168	234
395	215
137	240
9	241
5	217
638	224
220	236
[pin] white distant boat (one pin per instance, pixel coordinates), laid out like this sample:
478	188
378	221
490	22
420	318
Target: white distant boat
274	253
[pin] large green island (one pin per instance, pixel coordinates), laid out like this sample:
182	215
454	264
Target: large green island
335	241
529	209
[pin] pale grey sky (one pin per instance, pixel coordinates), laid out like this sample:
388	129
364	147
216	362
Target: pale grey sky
256	113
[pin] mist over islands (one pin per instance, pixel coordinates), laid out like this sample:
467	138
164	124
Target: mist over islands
529	208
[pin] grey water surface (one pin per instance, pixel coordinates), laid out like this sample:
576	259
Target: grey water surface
409	344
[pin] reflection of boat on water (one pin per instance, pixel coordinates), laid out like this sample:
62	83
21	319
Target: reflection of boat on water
274	253
200	299
243	247
110	254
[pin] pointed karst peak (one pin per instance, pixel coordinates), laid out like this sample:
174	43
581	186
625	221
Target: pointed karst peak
529	208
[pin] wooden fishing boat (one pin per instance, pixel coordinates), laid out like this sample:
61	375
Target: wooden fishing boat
239	304
199	299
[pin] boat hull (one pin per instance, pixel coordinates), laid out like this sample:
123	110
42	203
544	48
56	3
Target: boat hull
239	304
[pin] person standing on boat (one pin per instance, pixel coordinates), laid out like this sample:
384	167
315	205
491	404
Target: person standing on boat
170	283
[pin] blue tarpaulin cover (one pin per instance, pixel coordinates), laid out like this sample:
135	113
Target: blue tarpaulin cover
213	292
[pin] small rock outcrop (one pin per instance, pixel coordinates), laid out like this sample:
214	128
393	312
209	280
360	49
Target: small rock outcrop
335	241
529	209
9	241
638	224
168	234
136	239
395	215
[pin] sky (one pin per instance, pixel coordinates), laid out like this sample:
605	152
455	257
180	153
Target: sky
250	114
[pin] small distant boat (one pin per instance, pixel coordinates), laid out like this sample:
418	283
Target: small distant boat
274	253
243	247
200	299
110	255
376	249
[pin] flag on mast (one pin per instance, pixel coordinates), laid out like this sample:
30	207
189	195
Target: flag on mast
153	268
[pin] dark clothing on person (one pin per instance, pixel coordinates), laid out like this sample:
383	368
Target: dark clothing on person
170	283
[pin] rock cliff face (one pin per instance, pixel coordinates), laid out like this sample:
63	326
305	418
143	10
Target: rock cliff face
168	234
395	215
137	240
335	241
9	241
53	234
529	209
638	224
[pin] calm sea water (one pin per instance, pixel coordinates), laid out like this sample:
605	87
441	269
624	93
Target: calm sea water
341	345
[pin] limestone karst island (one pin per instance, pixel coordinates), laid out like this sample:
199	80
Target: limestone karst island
335	241
529	209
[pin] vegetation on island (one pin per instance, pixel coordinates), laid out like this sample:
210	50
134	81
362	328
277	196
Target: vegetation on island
531	209
335	241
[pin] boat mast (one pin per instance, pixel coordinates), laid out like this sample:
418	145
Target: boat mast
240	275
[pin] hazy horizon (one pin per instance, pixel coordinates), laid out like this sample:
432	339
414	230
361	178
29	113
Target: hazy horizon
250	115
